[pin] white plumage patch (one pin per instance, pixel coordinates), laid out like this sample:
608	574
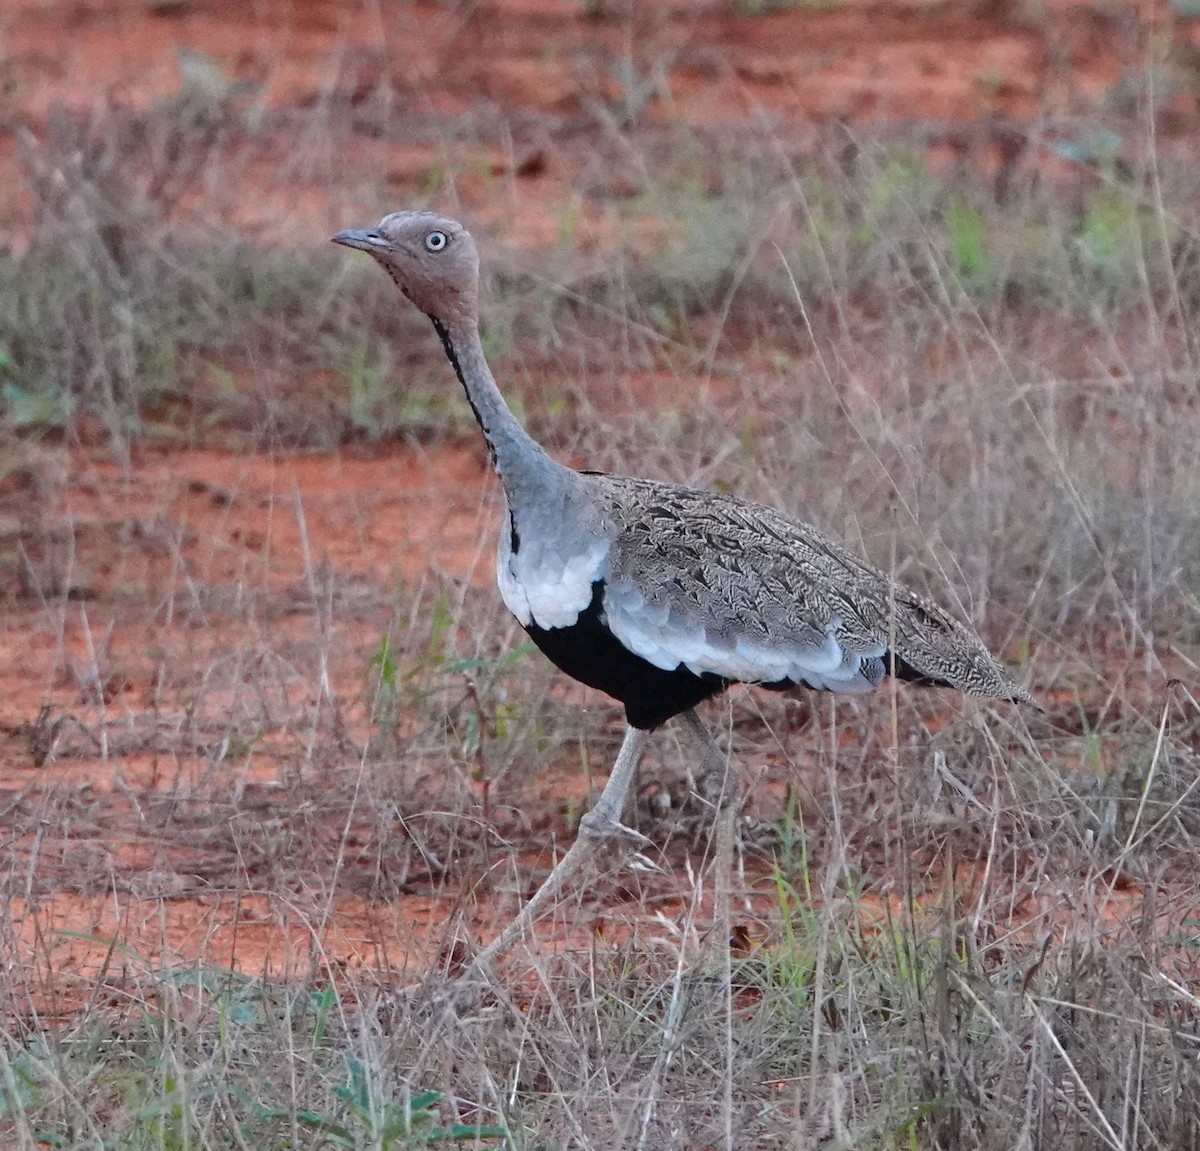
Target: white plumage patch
664	637
512	592
542	585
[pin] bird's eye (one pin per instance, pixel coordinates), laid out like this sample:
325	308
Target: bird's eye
436	241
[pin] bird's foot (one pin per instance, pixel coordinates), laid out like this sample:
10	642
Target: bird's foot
598	824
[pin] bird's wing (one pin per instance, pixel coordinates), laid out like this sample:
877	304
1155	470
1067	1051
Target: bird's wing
736	589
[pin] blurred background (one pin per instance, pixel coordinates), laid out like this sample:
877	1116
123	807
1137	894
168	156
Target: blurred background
925	273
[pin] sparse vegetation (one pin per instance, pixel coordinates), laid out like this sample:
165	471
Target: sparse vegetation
953	928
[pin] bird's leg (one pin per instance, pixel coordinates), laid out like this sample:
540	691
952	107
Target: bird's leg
711	776
717	772
715	776
601	823
718	768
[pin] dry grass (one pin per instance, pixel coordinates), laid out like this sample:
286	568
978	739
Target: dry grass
957	926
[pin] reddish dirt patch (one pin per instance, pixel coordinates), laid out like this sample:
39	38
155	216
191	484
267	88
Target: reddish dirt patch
136	539
508	105
859	59
128	587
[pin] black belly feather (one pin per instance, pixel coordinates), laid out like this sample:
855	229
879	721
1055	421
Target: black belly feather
589	652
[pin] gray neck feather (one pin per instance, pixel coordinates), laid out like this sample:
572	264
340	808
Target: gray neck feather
523	467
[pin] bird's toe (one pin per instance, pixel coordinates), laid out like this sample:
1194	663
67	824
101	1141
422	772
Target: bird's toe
598	824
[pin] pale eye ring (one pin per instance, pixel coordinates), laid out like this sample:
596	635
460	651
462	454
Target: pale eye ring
436	241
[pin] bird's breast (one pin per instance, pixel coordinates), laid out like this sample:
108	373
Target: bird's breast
548	581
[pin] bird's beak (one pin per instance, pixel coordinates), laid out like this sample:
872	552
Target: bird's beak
364	239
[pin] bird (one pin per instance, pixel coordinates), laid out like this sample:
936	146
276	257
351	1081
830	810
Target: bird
660	595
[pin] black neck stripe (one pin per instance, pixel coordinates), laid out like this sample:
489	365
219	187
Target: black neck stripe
452	356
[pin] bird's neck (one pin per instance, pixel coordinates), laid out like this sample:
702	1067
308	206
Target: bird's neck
517	457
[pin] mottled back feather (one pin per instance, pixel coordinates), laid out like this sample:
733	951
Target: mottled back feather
735	570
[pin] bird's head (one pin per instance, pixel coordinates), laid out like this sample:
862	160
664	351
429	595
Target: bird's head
432	259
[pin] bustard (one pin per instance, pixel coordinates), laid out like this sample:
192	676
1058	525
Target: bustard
660	595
